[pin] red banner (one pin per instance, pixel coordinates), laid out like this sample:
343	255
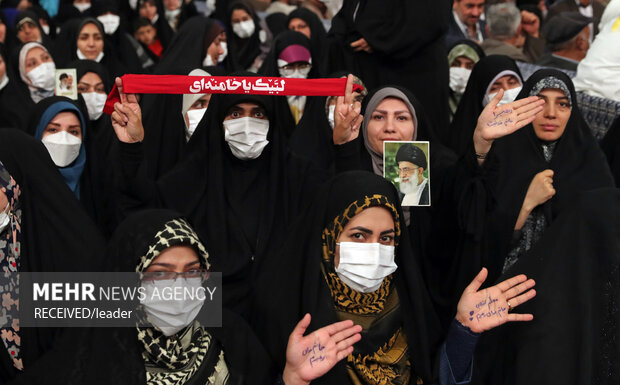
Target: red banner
181	84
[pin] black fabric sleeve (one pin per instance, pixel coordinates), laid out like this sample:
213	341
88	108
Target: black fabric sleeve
347	156
460	346
137	191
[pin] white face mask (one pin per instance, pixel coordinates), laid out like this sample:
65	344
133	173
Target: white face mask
458	79
210	4
244	29
5	218
82	6
208	61
4	81
246	137
223	55
194	117
363	266
81	56
63	147
299	73
331	115
171	15
43	76
110	23
172	315
94	103
46	29
508	97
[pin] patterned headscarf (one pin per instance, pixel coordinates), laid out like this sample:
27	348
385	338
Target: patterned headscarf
389	364
553	83
174	363
10	250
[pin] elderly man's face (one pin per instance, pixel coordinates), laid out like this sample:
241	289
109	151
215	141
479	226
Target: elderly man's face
408	171
468	11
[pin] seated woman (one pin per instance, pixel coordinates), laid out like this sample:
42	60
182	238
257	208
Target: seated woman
349	259
176	348
42	228
489	75
462	57
59	123
446	232
36	69
84	39
238	183
538	174
246	35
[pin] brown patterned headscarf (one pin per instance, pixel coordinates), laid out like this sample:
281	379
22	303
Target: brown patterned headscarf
390	363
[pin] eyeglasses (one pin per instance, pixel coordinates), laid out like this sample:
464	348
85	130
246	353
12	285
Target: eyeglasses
203	274
295	66
406	170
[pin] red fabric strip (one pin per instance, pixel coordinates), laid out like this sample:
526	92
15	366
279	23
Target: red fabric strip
181	84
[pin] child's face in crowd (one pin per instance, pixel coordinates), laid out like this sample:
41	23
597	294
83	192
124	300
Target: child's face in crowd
145	35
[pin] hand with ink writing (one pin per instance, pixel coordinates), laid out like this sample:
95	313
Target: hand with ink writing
309	357
498	121
347	116
489	308
540	191
127	117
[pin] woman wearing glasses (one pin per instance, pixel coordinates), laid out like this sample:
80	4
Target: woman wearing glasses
177	349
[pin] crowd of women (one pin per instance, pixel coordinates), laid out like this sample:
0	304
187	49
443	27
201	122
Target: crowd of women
285	196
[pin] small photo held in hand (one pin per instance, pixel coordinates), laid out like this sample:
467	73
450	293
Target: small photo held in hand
406	165
66	83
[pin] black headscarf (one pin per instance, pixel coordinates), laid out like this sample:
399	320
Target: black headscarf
462	48
65	47
461	131
318	36
243	52
276	22
517	158
164	142
15	100
101	157
241	209
303	289
31	14
576	313
67	12
155	230
285	39
56	236
124	44
189	47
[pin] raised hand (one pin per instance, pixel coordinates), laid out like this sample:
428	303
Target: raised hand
530	23
127	117
347	116
498	121
309	357
489	308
